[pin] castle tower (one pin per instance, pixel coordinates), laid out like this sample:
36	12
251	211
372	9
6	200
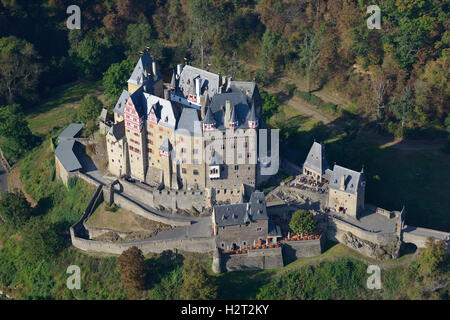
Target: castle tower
135	134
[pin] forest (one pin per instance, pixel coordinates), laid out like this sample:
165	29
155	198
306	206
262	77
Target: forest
396	76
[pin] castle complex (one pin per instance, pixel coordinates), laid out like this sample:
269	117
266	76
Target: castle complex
198	133
192	144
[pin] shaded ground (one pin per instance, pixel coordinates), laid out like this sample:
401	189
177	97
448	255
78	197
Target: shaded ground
3	179
60	109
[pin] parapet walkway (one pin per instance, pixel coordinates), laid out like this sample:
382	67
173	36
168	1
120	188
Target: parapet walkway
419	236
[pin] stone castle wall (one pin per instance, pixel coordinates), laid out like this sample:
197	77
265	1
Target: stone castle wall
252	260
380	246
293	250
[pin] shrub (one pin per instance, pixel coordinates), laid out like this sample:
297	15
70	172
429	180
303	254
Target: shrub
302	221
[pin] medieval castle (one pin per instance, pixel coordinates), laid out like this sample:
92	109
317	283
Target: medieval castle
191	145
198	133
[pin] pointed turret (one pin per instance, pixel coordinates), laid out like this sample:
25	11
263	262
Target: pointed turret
233	122
252	120
173	82
209	123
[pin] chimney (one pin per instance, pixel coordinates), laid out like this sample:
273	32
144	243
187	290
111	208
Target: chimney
154	70
229	83
197	89
179	69
342	187
227	113
202	105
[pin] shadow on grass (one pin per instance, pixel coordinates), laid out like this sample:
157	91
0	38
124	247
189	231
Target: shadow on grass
241	285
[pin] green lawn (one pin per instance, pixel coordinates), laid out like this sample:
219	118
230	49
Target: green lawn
60	109
418	180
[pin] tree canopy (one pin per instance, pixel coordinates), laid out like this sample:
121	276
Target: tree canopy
302	221
14	209
132	269
90	108
115	78
197	284
19	70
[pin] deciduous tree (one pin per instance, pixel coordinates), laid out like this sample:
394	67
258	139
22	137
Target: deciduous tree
90	108
197	284
302	221
19	69
132	269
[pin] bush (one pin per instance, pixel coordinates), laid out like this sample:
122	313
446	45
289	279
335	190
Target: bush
302	221
344	279
90	108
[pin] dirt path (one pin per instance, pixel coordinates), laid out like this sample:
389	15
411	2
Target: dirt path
15	183
298	103
280	90
400	144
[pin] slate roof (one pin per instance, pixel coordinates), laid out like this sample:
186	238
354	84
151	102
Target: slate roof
143	71
118	130
190	121
139	102
166	114
316	158
215	159
71	131
66	152
209	119
351	182
208	79
241	108
166	146
241	213
121	102
252	114
246	87
274	230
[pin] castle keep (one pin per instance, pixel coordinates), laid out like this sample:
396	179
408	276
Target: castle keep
197	133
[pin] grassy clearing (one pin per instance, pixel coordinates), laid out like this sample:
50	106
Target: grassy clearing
60	204
60	110
418	180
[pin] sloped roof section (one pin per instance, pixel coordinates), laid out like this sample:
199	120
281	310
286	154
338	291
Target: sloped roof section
166	146
352	179
118	130
241	108
316	158
207	80
66	152
143	71
121	102
164	110
246	87
241	213
71	131
190	122
209	119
